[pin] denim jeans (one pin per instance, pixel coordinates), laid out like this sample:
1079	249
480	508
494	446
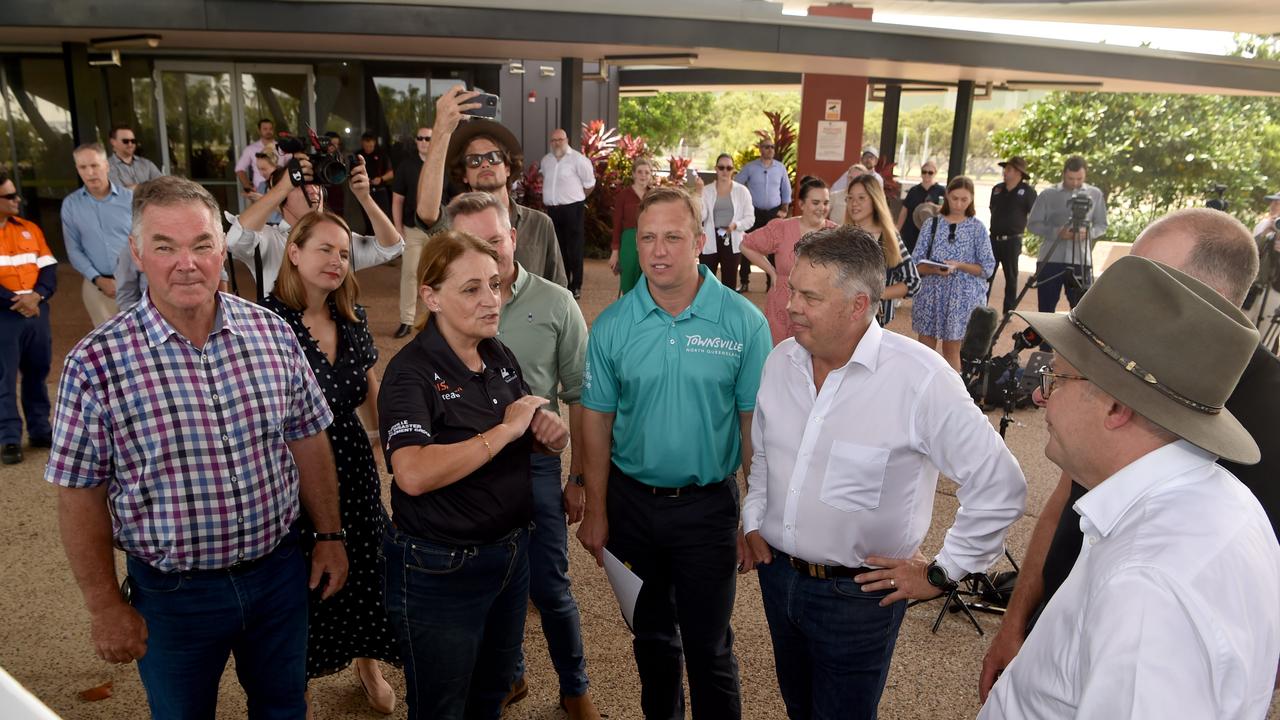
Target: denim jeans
549	578
831	642
1048	291
196	619
685	550
458	613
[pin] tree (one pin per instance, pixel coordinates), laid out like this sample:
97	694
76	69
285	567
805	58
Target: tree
1148	153
666	119
737	115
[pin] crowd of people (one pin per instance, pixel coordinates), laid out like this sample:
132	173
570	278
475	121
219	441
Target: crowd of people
221	444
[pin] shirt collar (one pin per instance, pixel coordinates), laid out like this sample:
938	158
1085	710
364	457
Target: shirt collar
443	358
866	354
522	282
1105	506
707	304
158	330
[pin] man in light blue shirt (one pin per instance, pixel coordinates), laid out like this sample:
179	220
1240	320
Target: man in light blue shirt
770	188
96	221
670	385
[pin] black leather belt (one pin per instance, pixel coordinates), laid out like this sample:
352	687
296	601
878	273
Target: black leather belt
822	572
671	492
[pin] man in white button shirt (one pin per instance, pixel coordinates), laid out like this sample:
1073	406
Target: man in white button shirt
851	426
567	179
1170	609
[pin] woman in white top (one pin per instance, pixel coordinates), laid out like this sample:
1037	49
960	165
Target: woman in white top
250	234
727	214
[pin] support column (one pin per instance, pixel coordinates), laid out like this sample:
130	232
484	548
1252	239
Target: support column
960	129
571	98
80	92
849	92
889	123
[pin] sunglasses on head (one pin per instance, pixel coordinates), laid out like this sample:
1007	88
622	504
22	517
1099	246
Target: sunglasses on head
261	155
494	157
423	138
9	196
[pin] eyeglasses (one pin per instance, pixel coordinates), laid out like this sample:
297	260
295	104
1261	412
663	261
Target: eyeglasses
928	172
262	156
1048	380
424	138
128	141
494	157
726	168
9	196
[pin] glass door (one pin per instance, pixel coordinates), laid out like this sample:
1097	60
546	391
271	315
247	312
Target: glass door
210	111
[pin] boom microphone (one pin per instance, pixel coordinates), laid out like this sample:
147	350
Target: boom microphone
979	333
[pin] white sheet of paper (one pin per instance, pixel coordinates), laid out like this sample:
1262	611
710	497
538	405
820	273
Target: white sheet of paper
626	586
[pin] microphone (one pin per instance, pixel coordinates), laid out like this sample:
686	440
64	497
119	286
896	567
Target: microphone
979	333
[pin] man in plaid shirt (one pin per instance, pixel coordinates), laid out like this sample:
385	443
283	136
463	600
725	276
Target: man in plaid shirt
186	431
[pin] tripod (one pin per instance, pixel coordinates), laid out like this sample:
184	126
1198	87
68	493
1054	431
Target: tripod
961	598
1073	272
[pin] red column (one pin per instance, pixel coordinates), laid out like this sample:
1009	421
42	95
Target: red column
817	92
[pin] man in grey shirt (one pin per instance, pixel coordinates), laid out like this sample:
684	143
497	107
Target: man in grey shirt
1064	258
127	168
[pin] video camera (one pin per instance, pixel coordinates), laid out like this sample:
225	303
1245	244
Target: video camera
1218	203
327	167
1080	205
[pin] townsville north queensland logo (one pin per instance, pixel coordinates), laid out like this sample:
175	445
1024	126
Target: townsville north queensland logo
712	345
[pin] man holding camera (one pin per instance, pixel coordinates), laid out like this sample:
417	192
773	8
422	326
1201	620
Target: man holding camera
1265	293
293	191
246	169
1068	217
483	155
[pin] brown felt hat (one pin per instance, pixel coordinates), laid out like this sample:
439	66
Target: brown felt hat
1019	163
480	126
1164	344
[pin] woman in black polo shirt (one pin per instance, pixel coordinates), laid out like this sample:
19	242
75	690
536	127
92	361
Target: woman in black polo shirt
457	424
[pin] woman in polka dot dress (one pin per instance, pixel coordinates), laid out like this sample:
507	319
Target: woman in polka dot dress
316	295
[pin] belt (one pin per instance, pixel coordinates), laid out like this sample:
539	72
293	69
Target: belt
822	572
670	492
1017	236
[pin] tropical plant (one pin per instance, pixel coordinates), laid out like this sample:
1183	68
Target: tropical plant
782	133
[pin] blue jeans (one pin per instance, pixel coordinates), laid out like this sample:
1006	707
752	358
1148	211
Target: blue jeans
196	619
549	578
1055	274
458	613
831	642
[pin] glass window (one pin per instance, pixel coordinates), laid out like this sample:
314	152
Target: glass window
132	96
38	120
197	118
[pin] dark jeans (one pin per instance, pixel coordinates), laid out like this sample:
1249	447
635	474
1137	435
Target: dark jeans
724	259
549	578
685	550
568	220
1006	253
762	218
196	619
832	643
459	615
26	350
1054	279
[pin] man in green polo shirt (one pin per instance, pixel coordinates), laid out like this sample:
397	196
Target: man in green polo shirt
671	379
542	324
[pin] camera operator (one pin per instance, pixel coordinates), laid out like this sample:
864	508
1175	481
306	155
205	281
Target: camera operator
1267	286
1065	250
292	191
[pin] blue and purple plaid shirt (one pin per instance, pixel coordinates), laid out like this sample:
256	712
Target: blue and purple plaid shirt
191	442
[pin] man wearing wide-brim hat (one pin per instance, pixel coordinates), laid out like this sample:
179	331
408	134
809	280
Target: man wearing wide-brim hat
483	155
1170	610
1011	203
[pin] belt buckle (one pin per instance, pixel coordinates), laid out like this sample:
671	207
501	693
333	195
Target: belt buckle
818	571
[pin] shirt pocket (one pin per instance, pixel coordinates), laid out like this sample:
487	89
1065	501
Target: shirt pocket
855	477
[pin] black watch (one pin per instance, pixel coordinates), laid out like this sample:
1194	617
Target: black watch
340	536
577	479
937	577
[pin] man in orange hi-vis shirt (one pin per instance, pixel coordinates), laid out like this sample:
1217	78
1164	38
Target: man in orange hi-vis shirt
27	279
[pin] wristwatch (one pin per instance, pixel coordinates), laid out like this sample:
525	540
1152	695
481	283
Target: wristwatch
577	479
340	536
937	577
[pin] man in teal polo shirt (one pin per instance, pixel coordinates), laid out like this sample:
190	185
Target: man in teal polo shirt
542	324
671	379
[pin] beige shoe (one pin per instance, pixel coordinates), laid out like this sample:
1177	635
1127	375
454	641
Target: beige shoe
580	707
376	689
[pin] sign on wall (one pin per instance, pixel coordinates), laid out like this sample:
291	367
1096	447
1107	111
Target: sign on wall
831	140
833	109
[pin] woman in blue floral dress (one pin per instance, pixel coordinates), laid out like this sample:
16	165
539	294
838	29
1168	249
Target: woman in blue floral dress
953	257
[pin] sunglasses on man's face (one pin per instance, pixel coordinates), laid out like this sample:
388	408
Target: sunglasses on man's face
9	196
928	172
128	141
424	138
494	157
